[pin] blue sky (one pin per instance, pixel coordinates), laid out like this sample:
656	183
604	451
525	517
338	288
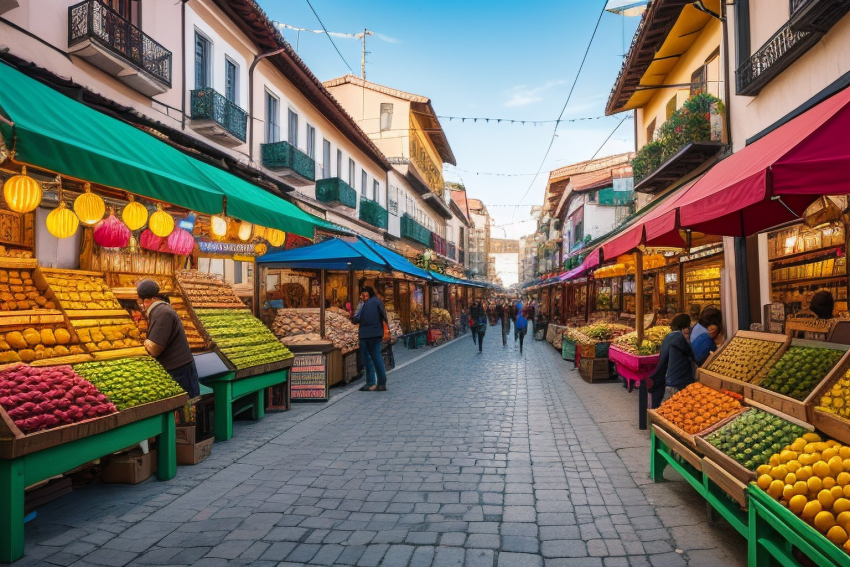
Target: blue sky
484	59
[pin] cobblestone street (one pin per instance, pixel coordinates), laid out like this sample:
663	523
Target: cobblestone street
494	460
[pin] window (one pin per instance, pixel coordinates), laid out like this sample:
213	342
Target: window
326	159
650	131
671	108
339	163
203	55
698	81
311	141
364	180
392	200
376	191
386	116
591	197
230	78
128	9
237	272
351	172
293	128
272	125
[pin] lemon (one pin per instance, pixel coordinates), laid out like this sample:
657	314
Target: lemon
800	487
811	509
790	479
843	520
844	452
809	449
803	473
807	459
775	489
811	437
824	521
826	499
846	463
764	469
847	491
836	491
793	465
788	492
774	460
764	481
779	472
836	465
800	443
843	478
840	505
828	482
797	503
820	468
787	455
836	535
815	484
829	453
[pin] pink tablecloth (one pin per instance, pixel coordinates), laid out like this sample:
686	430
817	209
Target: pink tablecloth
633	367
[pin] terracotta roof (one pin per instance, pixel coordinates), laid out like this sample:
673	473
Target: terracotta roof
459	197
252	20
599	179
419	105
475	204
561	177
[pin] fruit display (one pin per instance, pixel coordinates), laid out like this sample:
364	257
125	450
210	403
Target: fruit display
837	399
78	290
811	477
441	316
652	339
36	343
193	335
130	382
578	337
605	331
743	357
799	370
43	398
697	407
241	337
299	325
752	437
207	291
18	292
107	334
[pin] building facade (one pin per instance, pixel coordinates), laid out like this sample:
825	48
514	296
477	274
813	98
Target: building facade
479	240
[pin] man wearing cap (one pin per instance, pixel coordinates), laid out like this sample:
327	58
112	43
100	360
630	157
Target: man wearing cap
166	338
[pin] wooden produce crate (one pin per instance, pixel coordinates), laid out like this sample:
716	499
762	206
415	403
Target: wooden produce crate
594	369
674	445
835	426
720	382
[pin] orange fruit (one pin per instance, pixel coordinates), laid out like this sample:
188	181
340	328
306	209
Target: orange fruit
793	465
844	452
779	472
829	482
824	521
797	503
836	535
790	478
846	463
821	468
826	499
841	504
837	492
764	469
788	492
774	460
843	478
815	484
764	481
775	489
811	437
843	520
811	509
836	465
829	453
800	487
847	491
803	473
787	455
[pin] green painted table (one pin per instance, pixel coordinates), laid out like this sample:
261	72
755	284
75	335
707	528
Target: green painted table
26	460
236	392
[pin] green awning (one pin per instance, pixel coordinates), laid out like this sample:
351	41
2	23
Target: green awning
59	134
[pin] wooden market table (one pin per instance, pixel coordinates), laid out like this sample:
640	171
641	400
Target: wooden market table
28	459
236	391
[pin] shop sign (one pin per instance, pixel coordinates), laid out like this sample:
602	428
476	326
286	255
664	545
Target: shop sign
228	248
703	252
309	377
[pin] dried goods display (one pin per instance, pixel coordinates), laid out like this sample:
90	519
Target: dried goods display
207	291
754	436
19	292
578	337
241	337
130	382
799	370
811	477
107	334
697	407
80	290
652	339
293	326
837	399
31	343
441	316
43	398
395	326
743	357
604	331
193	335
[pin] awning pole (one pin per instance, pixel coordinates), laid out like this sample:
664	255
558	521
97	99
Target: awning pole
322	303
639	296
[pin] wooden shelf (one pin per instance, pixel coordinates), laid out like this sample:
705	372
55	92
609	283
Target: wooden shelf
814	253
717	279
803	281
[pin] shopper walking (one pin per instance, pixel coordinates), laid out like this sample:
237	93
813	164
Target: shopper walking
520	328
481	324
371	315
474	315
506	325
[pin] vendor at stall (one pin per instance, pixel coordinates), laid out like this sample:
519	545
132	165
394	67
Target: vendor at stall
166	338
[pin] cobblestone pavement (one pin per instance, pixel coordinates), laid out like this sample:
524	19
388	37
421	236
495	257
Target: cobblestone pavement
498	460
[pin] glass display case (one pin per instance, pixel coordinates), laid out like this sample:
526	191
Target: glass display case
702	284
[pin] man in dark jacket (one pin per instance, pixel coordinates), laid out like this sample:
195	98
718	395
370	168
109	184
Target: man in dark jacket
371	315
675	362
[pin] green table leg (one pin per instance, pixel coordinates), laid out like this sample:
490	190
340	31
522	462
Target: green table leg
167	449
223	410
757	556
11	510
260	408
657	462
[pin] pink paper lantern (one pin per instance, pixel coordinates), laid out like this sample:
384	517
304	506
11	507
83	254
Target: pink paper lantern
152	242
111	232
181	242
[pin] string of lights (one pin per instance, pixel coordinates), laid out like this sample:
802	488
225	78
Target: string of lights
486	120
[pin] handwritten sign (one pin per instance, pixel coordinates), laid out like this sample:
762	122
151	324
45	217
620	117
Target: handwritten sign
309	377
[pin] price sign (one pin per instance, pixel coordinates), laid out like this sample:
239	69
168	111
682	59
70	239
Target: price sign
309	377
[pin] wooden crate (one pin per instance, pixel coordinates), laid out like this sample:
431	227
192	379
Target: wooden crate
264	368
676	446
833	425
685	437
726	480
721	382
594	369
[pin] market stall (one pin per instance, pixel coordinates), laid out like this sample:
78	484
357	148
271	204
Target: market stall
701	279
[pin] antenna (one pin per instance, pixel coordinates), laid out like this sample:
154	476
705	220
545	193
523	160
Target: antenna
363	59
362	36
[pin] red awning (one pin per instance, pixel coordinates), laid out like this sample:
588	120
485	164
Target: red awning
799	161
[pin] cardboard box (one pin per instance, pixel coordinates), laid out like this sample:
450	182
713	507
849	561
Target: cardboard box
131	467
185	434
194	453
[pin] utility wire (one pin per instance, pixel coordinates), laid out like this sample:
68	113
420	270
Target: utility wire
569	96
327	33
609	137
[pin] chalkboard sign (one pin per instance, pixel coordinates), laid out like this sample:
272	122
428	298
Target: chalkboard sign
309	377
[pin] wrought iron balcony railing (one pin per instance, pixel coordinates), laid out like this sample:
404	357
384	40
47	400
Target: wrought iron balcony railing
414	231
94	20
776	55
373	213
283	155
335	192
816	15
207	104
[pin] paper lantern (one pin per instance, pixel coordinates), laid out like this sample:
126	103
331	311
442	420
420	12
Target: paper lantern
246	229
22	192
218	226
161	223
89	207
134	215
62	222
152	242
181	242
275	237
260	249
111	232
259	231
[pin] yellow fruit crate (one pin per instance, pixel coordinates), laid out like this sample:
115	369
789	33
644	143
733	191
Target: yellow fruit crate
719	381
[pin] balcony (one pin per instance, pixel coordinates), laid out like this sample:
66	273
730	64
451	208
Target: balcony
816	15
690	137
373	213
414	231
217	118
295	166
105	39
780	51
451	250
334	192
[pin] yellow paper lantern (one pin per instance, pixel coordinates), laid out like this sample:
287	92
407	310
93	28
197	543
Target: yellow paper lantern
89	207
22	192
134	215
161	223
260	249
218	226
246	229
275	237
62	222
259	231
